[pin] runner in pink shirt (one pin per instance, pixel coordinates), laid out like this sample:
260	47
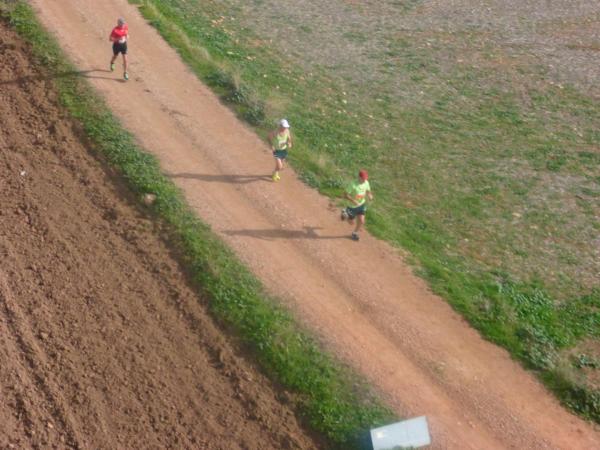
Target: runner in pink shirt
119	37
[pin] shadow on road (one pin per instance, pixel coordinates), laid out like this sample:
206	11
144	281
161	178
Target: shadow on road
230	179
271	234
71	73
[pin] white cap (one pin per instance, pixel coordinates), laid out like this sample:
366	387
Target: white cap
121	21
284	123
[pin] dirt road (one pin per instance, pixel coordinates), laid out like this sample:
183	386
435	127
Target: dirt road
102	342
359	297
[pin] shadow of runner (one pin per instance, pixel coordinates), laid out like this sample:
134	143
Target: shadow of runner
70	73
232	179
271	234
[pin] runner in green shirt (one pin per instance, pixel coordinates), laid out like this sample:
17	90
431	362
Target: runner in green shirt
358	192
281	142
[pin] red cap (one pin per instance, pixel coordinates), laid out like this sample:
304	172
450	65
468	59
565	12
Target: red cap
363	174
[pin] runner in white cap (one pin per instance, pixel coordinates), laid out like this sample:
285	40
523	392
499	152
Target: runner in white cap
119	37
281	142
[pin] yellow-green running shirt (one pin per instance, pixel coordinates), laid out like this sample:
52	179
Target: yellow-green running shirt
358	191
281	140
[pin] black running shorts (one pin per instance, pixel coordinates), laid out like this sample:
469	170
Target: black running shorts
356	211
119	47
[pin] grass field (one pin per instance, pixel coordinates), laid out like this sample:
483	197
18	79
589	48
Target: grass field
332	399
484	147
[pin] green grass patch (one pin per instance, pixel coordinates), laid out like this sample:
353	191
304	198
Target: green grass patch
472	172
331	398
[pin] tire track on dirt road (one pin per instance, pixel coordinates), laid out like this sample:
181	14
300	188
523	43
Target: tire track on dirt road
360	298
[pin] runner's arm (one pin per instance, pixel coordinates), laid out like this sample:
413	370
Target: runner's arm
370	195
352	199
289	143
271	137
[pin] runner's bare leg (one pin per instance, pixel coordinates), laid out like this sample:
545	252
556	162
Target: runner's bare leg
359	223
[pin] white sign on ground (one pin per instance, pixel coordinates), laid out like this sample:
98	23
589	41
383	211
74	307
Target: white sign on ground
413	433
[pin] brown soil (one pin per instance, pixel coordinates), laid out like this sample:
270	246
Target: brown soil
359	297
102	342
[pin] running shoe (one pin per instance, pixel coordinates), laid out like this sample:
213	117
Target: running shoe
126	76
112	67
276	177
355	237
